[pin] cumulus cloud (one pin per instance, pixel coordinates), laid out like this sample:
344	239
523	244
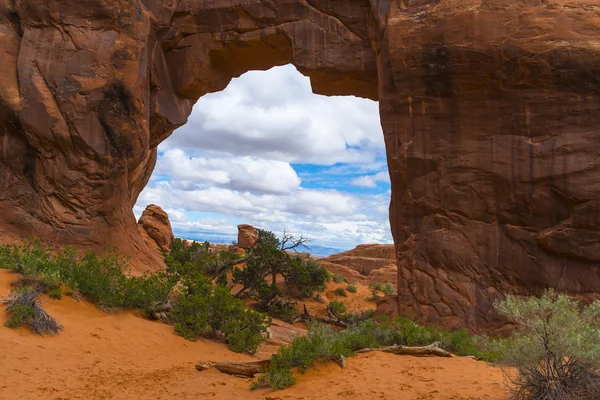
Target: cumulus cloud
237	173
371	181
274	115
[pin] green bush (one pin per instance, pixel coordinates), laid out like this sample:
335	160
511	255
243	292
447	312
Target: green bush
338	278
325	344
386	288
204	311
359	316
100	279
307	276
337	307
24	310
321	344
556	350
20	315
340	292
351	288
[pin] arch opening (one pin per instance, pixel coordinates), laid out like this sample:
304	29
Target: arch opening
268	151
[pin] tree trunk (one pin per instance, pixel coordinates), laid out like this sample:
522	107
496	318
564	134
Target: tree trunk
244	368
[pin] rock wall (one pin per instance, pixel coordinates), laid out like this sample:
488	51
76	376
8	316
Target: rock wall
490	111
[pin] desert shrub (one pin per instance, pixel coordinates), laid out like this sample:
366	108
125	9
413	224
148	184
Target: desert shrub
323	344
307	276
351	288
386	288
207	311
555	351
340	292
337	278
99	278
185	259
56	293
20	315
271	259
5	257
337	307
24	310
359	316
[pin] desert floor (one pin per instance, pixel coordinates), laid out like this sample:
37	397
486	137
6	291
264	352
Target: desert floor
123	356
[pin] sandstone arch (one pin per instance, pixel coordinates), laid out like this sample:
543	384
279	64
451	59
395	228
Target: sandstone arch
489	110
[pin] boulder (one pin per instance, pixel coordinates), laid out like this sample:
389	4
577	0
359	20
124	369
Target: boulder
155	224
247	236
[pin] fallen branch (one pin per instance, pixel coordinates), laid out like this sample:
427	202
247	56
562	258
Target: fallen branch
243	368
251	368
431	350
333	318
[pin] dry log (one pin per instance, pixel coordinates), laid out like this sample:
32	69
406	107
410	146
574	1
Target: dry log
431	350
243	368
251	368
333	318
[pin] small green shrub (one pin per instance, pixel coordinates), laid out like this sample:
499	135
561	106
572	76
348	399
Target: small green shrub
307	276
338	278
386	288
204	310
98	278
324	344
20	315
340	292
56	293
337	307
556	350
24	310
351	288
359	316
321	344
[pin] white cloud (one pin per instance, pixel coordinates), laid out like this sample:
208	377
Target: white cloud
237	173
371	181
274	115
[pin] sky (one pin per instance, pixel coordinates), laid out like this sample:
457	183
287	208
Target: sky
267	151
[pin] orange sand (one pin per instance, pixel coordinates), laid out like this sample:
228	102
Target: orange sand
122	356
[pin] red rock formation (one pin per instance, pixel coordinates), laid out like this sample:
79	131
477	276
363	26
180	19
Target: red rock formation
489	108
385	274
365	257
247	236
155	224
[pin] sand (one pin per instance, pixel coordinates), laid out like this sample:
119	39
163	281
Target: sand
123	356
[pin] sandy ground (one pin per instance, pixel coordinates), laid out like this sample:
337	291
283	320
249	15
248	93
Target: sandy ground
122	356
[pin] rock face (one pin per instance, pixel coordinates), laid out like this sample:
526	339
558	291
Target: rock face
155	223
247	236
490	111
365	257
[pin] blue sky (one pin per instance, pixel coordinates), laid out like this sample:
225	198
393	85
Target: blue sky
268	152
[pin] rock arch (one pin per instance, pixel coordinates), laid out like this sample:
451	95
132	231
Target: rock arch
489	110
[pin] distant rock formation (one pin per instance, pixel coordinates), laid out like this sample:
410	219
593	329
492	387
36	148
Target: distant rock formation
247	236
154	224
365	263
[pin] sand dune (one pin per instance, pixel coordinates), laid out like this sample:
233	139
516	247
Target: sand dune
123	356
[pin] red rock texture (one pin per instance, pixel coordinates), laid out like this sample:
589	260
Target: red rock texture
155	223
490	111
247	236
365	257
